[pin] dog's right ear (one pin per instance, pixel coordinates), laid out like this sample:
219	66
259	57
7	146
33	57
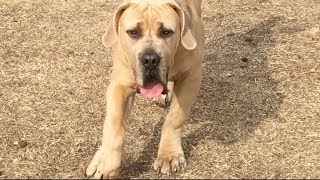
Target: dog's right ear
110	37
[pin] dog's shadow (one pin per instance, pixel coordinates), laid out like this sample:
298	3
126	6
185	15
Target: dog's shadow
237	94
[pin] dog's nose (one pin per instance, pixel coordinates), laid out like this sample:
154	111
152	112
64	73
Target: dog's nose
150	59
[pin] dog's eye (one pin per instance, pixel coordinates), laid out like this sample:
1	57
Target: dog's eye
165	33
134	33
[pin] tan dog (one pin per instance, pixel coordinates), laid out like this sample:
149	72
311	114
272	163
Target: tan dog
158	50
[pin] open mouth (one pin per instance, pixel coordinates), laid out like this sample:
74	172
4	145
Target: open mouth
152	87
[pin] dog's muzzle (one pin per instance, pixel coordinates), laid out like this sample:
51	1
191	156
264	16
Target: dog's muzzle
152	85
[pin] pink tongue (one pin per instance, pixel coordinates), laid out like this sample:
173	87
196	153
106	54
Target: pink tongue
152	89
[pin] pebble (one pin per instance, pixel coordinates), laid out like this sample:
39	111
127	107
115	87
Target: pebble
22	143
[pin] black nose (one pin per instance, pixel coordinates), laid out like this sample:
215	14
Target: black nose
150	59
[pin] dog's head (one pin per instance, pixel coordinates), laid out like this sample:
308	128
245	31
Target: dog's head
149	33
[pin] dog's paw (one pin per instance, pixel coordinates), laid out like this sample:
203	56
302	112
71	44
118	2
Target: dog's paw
103	166
163	100
169	163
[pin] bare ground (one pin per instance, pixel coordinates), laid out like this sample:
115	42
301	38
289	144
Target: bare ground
257	115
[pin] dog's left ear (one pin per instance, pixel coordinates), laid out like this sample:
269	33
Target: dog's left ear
187	33
110	37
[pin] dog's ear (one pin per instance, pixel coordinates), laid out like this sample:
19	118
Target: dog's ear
187	35
110	37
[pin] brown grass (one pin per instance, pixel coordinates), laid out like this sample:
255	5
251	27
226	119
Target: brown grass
257	115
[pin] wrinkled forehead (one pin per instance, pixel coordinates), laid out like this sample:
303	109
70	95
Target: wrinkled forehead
148	15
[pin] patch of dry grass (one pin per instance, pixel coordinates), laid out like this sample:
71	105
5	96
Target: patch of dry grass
257	115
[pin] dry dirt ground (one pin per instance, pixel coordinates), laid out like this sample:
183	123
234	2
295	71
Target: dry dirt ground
257	115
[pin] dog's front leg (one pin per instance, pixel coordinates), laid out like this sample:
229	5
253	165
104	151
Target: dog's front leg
107	159
170	155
